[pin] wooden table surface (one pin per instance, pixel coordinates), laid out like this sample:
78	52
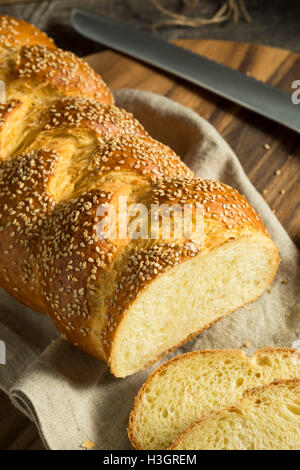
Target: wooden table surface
269	153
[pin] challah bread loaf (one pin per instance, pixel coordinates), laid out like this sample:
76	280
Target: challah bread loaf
66	150
190	386
266	418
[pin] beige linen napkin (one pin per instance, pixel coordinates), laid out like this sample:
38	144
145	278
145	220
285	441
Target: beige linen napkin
72	397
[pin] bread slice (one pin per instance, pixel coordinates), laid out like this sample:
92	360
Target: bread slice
189	386
188	298
266	418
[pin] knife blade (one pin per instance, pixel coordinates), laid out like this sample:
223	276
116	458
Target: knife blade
231	84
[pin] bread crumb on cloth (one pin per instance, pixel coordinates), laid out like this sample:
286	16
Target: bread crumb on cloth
88	445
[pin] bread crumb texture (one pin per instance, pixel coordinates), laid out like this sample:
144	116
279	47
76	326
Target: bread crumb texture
266	418
192	385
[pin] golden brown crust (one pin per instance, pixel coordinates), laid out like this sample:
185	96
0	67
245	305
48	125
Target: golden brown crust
67	73
219	201
25	203
67	285
17	33
141	154
106	120
165	365
7	109
38	63
247	394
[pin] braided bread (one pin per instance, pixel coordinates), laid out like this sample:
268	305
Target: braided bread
65	151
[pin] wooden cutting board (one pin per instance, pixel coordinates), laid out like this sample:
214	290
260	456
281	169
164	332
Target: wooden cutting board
246	132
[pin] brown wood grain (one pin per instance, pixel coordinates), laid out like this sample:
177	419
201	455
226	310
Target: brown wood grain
246	132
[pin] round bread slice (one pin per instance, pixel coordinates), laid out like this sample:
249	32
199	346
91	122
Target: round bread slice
266	418
190	386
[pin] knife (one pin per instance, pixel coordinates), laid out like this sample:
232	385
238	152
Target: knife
217	78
